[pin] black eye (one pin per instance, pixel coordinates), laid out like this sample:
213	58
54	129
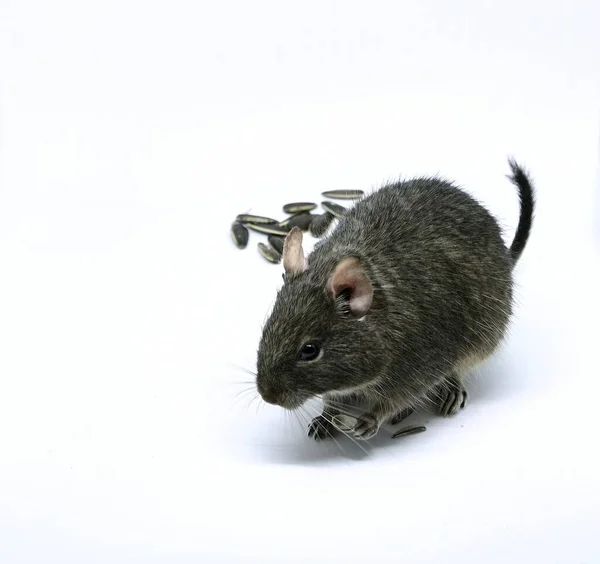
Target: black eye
309	351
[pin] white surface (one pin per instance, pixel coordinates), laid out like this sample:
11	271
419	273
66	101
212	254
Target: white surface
131	134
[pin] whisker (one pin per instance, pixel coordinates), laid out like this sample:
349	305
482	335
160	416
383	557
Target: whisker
242	392
259	405
295	412
302	420
241	383
254	398
343	410
242	368
342	407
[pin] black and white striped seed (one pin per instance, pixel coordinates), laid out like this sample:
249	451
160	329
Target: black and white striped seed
409	431
239	234
343	194
301	220
297	207
333	208
277	243
268	229
256	219
320	224
269	253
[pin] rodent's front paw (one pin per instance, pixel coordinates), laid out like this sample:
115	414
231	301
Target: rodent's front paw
320	428
366	427
453	397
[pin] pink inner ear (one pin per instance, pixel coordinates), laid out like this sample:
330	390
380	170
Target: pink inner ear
349	275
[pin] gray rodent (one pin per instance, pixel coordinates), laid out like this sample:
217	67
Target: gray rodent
411	290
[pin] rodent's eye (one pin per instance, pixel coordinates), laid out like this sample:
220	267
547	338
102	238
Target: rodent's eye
309	351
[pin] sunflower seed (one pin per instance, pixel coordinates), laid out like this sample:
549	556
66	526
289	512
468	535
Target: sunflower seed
409	431
269	253
277	243
268	229
333	208
344	422
257	219
288	221
320	224
297	207
239	234
301	220
343	194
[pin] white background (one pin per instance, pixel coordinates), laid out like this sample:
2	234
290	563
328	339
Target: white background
131	134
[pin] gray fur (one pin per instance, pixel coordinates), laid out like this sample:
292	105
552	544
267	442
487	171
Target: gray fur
442	300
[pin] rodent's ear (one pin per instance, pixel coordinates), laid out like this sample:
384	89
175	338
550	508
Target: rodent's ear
293	255
350	277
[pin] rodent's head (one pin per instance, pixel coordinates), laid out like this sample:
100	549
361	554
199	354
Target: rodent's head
319	337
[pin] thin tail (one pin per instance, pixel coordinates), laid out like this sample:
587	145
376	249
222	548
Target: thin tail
527	199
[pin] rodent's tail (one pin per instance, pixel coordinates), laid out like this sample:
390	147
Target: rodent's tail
527	199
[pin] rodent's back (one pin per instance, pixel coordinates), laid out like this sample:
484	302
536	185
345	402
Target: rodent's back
441	270
422	213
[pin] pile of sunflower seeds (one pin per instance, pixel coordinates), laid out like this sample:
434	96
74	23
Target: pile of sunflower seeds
299	215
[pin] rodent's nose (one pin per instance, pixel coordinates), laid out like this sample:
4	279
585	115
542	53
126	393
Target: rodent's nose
271	394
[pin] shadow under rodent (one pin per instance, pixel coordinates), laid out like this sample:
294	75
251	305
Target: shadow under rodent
411	291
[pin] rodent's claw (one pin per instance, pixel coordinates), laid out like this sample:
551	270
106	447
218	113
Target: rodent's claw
366	427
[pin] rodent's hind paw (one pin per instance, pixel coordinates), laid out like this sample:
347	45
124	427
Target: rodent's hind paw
366	427
453	400
320	428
